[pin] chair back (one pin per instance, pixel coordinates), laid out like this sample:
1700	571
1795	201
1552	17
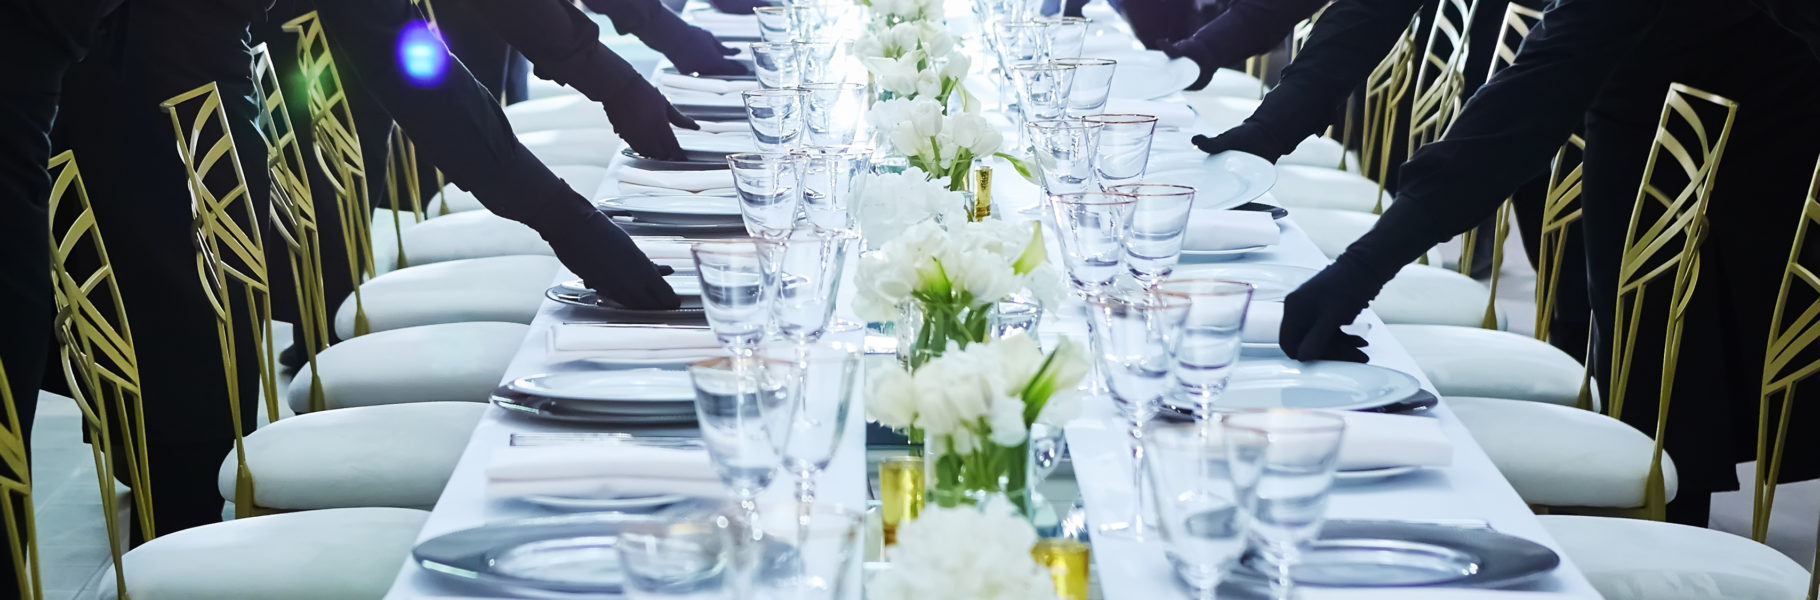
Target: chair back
1440	73
1560	210
16	499
1384	90
95	347
230	255
1788	360
294	214
1510	36
337	149
1662	245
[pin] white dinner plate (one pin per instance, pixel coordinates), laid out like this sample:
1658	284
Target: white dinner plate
1223	180
676	210
1329	385
628	503
1371	475
1269	282
1144	77
684	285
637	385
1218	255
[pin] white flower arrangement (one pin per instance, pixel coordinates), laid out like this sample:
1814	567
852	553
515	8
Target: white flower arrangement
892	12
964	552
957	267
885	204
942	145
983	397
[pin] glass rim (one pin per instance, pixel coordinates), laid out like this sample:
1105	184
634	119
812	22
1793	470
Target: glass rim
1091	198
1177	189
771	44
728	247
1224	283
1335	423
1064	19
1062	124
833	85
832	150
773	92
724	363
755	157
1041	65
1080	61
1131	300
1119	118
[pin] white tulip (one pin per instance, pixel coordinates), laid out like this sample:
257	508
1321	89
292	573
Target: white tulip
975	133
891	396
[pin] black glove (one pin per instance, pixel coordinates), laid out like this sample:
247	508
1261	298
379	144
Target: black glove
1314	312
691	48
1192	50
642	117
1073	8
737	7
613	266
1244	138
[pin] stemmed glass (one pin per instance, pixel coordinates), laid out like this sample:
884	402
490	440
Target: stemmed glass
1197	514
776	117
1092	84
1158	224
732	396
807	268
835	110
680	558
807	429
827	174
1123	153
1067	35
1135	331
778	23
777	64
1092	228
1042	89
1211	339
770	190
1282	465
821	60
736	292
1064	151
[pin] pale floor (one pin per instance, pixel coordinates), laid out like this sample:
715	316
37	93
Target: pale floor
73	536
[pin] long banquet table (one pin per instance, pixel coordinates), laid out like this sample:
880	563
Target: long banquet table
1470	489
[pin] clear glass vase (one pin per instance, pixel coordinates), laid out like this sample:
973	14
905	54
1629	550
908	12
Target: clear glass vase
971	477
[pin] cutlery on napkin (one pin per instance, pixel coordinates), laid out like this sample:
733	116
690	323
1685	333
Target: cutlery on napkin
674	81
634	180
1229	230
569	341
600	470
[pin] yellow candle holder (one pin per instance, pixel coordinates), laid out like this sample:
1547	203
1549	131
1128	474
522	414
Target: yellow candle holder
900	482
1067	561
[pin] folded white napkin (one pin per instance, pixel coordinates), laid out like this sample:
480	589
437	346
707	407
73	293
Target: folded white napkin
739	140
600	470
689	182
664	250
695	98
725	24
570	341
1378	440
673	81
1230	229
1167	113
1262	321
718	127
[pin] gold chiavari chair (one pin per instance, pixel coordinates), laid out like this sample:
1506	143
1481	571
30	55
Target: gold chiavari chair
1788	360
1384	90
1560	210
97	352
337	150
1662	245
1440	73
1517	22
294	217
230	253
16	498
402	188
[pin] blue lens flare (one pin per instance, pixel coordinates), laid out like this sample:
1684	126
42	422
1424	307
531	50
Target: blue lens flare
421	54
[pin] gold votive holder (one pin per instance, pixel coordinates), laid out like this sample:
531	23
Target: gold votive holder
900	483
1067	561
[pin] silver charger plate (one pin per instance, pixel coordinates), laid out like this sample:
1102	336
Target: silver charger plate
694	160
1329	385
628	503
675	210
1269	283
557	555
580	411
574	293
636	386
1365	553
634	226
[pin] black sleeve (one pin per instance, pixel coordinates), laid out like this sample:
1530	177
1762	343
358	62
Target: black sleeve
1506	133
1249	28
1800	17
1352	37
562	44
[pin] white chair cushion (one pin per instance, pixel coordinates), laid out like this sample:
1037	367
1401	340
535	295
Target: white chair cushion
397	455
1792	518
1632	559
459	362
1304	186
499	288
1425	295
1469	361
585	179
564	111
345	554
594	146
1321	152
1234	83
472	234
1333	230
1560	456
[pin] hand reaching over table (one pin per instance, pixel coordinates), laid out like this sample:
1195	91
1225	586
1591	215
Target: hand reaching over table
691	48
737	7
1313	314
642	117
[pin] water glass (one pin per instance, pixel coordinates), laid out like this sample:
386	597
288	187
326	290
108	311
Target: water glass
1159	222
1063	154
776	117
1197	514
1042	89
1092	85
1123	153
777	64
1012	316
1092	228
809	553
732	397
808	428
1212	337
806	267
736	292
1020	42
673	559
1066	35
1133	332
777	23
1282	465
827	174
835	111
821	60
770	192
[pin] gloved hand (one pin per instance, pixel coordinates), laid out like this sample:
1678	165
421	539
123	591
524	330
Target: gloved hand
642	117
1191	50
1314	312
737	7
1244	138
691	48
612	265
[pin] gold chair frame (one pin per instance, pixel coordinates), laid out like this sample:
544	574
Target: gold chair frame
294	217
1517	22
1384	90
1789	336
21	527
1657	245
230	254
1560	209
1440	77
97	353
337	150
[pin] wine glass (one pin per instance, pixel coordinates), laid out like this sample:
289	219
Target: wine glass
1159	222
1092	84
826	175
1092	228
807	429
776	117
1123	152
736	292
732	397
770	189
1064	154
1282	465
1197	514
1212	338
1135	331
